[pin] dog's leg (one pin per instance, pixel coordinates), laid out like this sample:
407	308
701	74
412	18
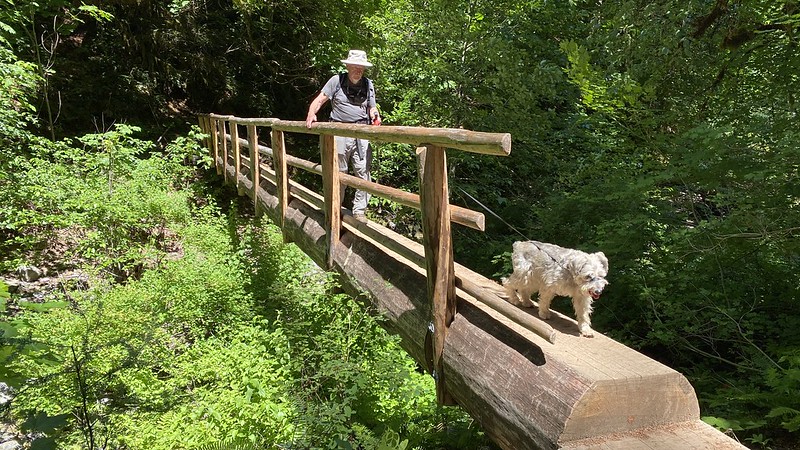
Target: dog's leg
515	287
513	297
545	298
511	290
525	292
583	311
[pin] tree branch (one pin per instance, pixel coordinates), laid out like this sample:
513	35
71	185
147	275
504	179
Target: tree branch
720	8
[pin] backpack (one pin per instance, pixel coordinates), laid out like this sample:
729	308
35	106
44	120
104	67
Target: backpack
356	95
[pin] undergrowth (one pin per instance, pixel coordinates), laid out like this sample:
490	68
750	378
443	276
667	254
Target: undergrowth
200	328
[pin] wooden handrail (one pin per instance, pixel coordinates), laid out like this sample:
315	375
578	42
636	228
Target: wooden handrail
498	144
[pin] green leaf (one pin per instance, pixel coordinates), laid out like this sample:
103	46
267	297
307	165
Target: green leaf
96	13
722	424
781	411
793	424
44	443
8	330
6	28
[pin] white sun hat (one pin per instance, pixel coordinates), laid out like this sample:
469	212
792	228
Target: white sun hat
357	58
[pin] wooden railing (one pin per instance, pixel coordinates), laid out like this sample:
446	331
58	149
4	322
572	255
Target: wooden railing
501	363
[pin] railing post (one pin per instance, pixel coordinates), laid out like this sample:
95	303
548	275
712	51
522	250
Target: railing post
281	177
437	242
255	165
215	143
330	186
237	156
206	129
224	138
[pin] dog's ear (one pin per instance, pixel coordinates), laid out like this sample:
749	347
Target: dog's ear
603	260
575	265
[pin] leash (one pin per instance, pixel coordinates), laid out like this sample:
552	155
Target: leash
512	227
495	215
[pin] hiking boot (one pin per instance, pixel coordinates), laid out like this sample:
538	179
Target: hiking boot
360	217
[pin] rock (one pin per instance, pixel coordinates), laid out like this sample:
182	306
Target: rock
5	393
7	431
10	445
30	273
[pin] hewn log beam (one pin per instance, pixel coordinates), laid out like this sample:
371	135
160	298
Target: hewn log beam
526	389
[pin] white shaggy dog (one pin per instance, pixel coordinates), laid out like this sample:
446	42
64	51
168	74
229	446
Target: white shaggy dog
552	270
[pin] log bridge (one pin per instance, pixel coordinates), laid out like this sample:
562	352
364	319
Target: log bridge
530	384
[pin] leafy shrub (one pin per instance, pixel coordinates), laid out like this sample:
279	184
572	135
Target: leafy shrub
204	289
354	385
119	201
114	345
231	387
181	359
18	83
200	329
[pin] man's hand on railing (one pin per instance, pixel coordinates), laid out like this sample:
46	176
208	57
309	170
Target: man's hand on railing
314	107
311	118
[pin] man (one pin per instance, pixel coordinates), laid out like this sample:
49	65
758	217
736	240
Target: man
352	97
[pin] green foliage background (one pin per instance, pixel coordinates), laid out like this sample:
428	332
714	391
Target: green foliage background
664	133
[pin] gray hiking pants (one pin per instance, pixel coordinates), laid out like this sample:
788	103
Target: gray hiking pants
357	154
